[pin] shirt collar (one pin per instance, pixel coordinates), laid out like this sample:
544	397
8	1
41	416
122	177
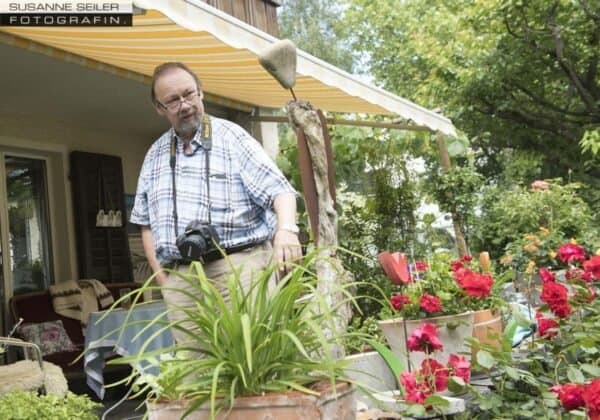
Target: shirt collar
196	141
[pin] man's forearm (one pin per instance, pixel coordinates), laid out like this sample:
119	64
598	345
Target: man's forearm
285	209
150	251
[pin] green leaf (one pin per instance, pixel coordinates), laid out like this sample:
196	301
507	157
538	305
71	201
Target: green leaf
436	401
416	410
575	375
512	373
591	369
485	359
456	384
390	358
247	340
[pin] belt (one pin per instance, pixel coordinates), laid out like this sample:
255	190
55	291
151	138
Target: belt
214	255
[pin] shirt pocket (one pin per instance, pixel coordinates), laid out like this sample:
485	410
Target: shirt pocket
220	191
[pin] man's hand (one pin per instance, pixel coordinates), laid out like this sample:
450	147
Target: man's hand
287	249
161	278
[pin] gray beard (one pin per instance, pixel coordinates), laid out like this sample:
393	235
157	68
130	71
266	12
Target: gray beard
188	129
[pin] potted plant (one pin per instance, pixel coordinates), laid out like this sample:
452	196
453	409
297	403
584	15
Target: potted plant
442	291
263	349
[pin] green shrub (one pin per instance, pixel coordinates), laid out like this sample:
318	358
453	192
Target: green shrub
21	405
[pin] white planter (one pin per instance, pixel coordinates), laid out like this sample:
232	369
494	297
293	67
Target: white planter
392	402
370	370
452	329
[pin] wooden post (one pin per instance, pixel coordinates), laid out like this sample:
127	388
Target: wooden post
447	167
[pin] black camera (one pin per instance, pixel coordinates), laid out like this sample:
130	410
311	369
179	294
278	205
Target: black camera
197	241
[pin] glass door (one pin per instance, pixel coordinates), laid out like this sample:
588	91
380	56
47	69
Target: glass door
28	249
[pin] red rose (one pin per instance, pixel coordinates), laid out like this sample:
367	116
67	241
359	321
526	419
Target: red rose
539	185
593	266
395	267
546	275
474	284
414	392
455	265
547	327
433	368
570	395
466	258
571	252
425	339
591	397
460	366
398	301
430	304
555	295
421	266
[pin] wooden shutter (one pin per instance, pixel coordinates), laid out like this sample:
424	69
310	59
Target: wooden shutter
97	183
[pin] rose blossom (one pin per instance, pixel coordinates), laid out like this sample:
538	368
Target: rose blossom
571	252
456	265
547	327
546	275
398	301
555	295
591	397
570	395
474	284
539	185
414	392
593	266
430	304
421	266
461	367
431	367
425	339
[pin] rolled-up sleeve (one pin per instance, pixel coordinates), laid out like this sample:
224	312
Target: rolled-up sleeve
140	213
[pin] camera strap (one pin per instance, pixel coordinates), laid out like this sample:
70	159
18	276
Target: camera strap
207	145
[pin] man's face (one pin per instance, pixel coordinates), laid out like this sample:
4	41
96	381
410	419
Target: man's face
185	116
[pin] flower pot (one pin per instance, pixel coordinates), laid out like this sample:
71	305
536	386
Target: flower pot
370	370
293	405
452	329
486	325
392	401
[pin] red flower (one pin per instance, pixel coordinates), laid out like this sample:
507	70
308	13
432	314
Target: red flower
395	267
571	252
430	304
425	339
461	367
546	275
414	392
466	258
570	395
455	265
432	368
474	284
591	397
398	301
593	266
539	185
547	327
421	266
555	295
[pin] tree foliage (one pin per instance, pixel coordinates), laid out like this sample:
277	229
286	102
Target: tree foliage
510	73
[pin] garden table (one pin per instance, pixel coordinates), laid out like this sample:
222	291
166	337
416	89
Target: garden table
104	338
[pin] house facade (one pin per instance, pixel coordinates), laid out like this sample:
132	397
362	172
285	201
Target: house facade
76	121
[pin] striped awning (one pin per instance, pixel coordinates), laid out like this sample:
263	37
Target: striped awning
223	51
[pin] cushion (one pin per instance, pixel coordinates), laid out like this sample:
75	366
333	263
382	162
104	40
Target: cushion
50	336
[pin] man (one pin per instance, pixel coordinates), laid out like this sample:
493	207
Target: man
243	191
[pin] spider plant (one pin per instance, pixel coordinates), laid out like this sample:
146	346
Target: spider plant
259	341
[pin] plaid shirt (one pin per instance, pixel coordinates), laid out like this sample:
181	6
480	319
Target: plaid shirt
244	181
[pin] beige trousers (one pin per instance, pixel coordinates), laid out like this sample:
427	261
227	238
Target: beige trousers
249	261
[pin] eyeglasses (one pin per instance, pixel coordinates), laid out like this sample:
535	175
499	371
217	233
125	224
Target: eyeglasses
174	104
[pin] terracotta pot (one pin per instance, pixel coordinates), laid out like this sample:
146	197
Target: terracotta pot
293	405
486	324
453	329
